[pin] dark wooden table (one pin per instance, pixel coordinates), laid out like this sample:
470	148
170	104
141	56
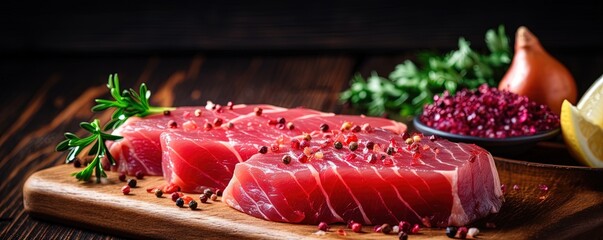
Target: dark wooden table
55	59
52	94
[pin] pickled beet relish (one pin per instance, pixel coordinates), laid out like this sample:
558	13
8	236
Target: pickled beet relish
488	112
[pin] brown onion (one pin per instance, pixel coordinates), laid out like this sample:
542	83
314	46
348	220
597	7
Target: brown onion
536	74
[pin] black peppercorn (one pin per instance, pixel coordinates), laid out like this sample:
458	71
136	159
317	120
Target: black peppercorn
402	235
132	182
338	145
263	150
390	151
192	204
203	198
158	193
353	146
451	231
370	145
324	127
208	192
280	120
180	202
286	159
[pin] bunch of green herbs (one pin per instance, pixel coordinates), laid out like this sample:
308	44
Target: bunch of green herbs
410	86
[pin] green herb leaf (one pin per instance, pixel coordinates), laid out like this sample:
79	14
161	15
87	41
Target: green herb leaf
412	85
75	146
127	103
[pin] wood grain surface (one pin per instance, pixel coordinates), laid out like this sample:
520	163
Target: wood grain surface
570	207
50	95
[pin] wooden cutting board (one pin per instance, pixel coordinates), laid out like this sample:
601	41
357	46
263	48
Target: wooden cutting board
571	207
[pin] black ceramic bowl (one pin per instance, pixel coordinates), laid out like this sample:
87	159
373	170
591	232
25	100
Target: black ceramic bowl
510	146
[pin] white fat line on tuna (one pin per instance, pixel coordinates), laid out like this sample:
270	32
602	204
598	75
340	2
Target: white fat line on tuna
463	150
245	105
303	189
123	162
397	194
266	195
327	199
299	184
452	157
156	143
230	199
253	200
231	148
435	156
495	178
411	185
334	167
458	216
191	166
314	115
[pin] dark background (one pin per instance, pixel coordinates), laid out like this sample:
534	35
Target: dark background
55	59
570	30
376	35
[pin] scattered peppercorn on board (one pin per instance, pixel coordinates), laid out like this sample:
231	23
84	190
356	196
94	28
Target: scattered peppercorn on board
541	202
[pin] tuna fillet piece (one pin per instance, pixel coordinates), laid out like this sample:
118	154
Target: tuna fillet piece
140	149
199	159
444	182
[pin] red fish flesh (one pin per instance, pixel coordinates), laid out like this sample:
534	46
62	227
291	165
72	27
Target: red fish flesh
386	179
141	150
200	159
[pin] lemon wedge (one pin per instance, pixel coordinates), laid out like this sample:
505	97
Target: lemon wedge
583	138
591	103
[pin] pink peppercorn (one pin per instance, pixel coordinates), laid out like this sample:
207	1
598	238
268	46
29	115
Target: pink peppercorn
175	196
125	190
122	177
415	229
218	122
462	232
404	226
356	227
295	144
139	174
323	226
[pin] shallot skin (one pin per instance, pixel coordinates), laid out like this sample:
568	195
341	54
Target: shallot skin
538	75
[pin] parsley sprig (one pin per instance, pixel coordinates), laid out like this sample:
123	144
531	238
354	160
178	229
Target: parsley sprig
76	145
127	103
410	86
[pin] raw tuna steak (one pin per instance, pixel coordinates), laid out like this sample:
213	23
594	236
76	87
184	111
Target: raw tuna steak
200	159
140	149
385	180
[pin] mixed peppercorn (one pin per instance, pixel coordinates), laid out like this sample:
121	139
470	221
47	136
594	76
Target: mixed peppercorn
403	229
344	140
